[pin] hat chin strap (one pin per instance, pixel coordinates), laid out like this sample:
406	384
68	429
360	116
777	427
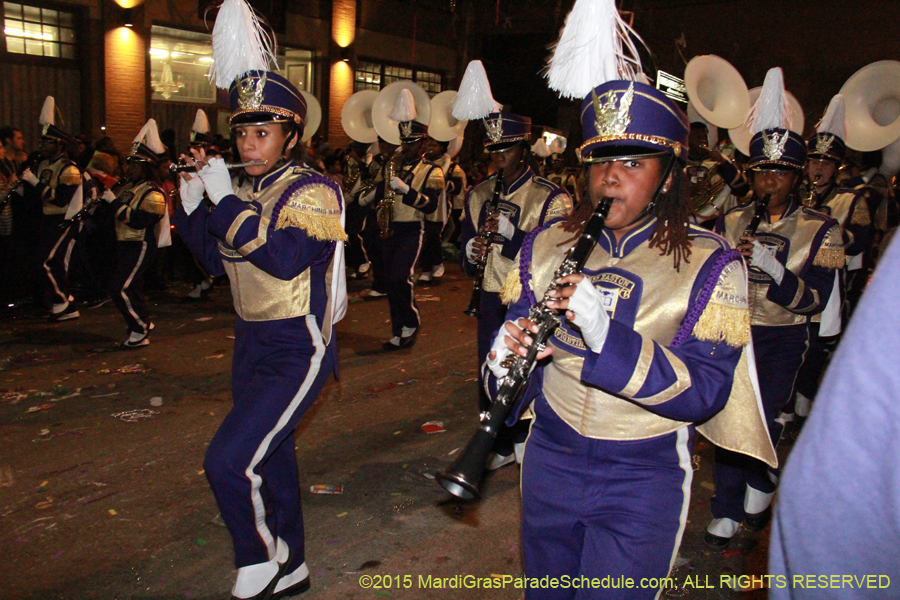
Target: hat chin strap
652	204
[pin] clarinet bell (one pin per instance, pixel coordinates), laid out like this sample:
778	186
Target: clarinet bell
463	478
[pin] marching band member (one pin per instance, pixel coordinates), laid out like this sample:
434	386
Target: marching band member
651	342
417	185
139	205
277	231
825	153
709	172
55	184
526	202
792	255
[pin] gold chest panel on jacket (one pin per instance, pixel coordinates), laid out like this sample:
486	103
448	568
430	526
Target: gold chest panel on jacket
794	233
257	295
526	203
52	174
424	176
663	297
134	197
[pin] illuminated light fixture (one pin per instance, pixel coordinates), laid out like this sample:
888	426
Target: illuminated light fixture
166	86
346	54
158	53
206	59
128	17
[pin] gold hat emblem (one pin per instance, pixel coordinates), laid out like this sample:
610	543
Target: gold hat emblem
494	129
250	92
773	145
611	120
823	144
405	129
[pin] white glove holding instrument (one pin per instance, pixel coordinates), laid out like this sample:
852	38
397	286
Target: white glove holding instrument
191	192
765	262
399	185
501	352
216	179
590	316
470	252
107	196
504	227
29	178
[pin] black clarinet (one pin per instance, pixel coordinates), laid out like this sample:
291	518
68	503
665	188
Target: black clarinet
761	206
462	479
483	233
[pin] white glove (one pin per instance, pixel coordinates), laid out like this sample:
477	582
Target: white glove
28	177
590	316
107	196
501	353
399	185
470	252
505	228
765	262
367	199
191	192
216	179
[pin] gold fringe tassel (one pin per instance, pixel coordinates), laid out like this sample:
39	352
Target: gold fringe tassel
512	287
861	215
720	323
830	258
321	228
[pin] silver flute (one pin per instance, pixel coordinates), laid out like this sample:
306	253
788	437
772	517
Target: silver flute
181	168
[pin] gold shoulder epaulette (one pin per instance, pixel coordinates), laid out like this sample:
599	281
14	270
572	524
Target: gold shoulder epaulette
314	207
435	179
154	203
70	175
861	214
831	252
726	317
560	206
512	287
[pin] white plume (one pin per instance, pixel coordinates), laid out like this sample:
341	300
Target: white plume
595	46
239	44
201	122
404	107
771	110
833	121
474	99
540	148
149	136
48	111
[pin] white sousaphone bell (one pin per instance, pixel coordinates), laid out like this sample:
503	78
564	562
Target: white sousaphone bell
872	106
313	116
386	127
717	91
444	127
356	117
741	136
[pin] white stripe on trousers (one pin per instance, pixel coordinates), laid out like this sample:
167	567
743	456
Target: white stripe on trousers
53	282
128	283
259	508
412	273
684	461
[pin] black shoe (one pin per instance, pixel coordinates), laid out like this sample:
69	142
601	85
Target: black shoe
715	541
130	344
99	302
68	314
389	346
266	593
409	341
758	521
374	295
294	590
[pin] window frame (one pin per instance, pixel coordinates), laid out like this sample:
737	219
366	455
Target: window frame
384	66
78	31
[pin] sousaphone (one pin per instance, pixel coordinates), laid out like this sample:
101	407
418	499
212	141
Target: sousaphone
717	91
444	126
741	136
872	106
356	117
388	128
313	116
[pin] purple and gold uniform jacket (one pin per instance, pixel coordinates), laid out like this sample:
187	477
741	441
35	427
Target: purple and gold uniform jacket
674	353
426	188
809	246
57	181
138	208
529	202
275	238
849	208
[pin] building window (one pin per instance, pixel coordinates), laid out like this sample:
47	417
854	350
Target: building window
180	61
38	31
374	76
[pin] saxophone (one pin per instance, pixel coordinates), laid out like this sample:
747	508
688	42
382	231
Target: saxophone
810	200
463	477
384	212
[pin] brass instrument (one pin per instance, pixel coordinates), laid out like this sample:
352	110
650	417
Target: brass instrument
384	212
462	479
701	189
475	300
810	200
